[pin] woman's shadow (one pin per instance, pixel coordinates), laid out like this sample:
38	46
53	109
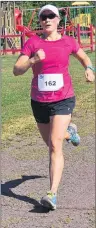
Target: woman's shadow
6	191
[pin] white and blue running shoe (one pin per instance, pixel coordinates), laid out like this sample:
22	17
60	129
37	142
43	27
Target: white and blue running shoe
49	201
74	137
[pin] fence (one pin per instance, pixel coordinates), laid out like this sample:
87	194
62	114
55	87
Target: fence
86	39
9	44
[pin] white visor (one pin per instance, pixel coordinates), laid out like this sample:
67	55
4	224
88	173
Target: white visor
49	7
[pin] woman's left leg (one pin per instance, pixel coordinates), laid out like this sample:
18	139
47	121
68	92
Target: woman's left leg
57	135
44	130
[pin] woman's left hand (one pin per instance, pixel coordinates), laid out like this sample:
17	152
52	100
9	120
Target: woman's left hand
90	77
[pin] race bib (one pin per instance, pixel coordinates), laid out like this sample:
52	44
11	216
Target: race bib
50	82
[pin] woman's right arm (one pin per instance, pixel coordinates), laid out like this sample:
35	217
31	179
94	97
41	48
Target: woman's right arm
24	62
22	65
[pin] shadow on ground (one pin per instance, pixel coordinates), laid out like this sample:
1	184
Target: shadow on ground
6	191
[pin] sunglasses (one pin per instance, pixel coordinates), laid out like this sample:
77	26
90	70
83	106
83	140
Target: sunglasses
43	17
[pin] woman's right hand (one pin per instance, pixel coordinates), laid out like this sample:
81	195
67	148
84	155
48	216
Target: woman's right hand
39	56
24	62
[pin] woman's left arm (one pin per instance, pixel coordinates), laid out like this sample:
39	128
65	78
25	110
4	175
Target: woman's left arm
86	62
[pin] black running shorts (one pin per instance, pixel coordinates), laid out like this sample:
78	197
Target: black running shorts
43	110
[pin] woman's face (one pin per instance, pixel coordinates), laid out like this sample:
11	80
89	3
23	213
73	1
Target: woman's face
49	21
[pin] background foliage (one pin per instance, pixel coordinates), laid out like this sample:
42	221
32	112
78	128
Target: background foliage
38	4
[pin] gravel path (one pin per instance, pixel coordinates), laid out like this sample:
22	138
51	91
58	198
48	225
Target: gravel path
25	180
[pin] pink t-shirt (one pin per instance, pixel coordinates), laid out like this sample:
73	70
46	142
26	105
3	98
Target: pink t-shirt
56	62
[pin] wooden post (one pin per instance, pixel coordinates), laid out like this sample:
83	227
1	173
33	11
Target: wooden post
22	38
5	31
78	33
14	24
91	37
1	14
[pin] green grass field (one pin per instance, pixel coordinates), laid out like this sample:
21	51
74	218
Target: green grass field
16	110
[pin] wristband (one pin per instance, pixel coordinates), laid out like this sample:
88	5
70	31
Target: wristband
91	68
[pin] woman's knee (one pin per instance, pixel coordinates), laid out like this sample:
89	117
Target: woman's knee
56	144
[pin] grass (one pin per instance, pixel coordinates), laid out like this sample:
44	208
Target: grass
15	92
16	110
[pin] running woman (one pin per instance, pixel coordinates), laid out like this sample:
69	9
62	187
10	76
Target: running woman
52	93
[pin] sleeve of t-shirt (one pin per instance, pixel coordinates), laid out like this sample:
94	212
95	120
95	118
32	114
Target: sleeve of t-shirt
28	48
75	45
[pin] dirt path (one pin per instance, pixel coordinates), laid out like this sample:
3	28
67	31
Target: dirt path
25	180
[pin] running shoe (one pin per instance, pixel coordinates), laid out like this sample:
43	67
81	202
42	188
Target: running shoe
74	137
49	201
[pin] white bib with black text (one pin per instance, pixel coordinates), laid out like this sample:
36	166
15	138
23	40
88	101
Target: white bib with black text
50	82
